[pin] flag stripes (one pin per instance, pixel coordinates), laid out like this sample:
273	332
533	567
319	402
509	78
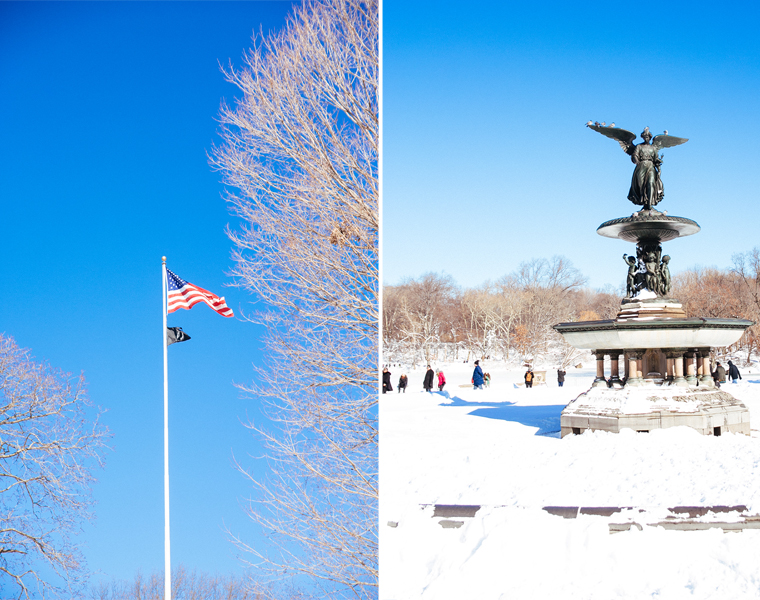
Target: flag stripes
182	294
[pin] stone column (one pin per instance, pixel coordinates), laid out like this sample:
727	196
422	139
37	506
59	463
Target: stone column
691	368
600	381
670	369
634	366
615	369
706	379
675	358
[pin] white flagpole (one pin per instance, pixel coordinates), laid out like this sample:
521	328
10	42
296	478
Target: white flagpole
167	543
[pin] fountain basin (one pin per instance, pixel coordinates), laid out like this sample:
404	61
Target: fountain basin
640	227
653	333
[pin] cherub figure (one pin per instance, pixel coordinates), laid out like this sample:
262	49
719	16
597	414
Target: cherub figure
646	184
650	263
633	267
665	283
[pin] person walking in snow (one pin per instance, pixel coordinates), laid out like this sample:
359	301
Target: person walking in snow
387	380
441	381
560	377
477	376
529	378
428	381
720	374
487	379
733	372
402	381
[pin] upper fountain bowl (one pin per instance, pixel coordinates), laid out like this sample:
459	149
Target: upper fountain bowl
647	226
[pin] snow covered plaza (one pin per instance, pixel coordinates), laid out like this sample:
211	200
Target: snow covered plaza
499	449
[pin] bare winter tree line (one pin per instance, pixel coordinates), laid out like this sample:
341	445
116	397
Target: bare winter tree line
186	585
431	318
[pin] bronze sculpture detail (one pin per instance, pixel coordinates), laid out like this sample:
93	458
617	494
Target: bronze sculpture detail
646	184
648	271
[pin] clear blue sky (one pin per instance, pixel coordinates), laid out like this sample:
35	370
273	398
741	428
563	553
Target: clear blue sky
107	110
487	161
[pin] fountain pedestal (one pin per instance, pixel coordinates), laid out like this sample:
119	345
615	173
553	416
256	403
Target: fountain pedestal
666	354
652	406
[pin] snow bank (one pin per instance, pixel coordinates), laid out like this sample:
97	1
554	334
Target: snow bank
499	448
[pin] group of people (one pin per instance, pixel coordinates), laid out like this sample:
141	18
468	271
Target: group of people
403	381
719	375
481	379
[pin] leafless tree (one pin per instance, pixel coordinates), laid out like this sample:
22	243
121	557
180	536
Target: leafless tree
547	287
590	304
50	443
425	306
710	292
301	154
747	269
186	585
491	312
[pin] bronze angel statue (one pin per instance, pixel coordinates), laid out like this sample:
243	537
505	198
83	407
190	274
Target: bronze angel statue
646	184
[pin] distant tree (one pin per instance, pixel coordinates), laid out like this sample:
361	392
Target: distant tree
710	292
426	305
186	585
300	157
547	287
597	304
50	444
747	269
490	313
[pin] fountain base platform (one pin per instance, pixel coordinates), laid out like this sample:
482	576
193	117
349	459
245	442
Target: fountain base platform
651	406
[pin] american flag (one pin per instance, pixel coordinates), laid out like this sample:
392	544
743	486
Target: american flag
186	295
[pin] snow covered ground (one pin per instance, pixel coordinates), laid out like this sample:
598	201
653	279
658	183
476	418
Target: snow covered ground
499	448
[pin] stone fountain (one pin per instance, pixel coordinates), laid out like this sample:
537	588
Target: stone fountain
666	379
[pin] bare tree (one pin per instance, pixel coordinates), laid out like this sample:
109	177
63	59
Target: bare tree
50	443
426	304
747	269
547	287
301	151
186	585
710	292
490	313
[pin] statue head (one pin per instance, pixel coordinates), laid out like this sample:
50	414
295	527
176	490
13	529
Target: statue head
646	135
666	259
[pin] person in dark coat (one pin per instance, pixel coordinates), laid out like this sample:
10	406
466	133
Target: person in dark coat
428	382
529	378
387	387
402	381
560	377
733	372
720	374
477	376
441	381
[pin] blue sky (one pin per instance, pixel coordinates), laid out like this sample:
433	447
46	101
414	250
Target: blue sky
108	110
487	162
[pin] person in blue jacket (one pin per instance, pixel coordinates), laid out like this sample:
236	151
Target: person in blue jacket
477	376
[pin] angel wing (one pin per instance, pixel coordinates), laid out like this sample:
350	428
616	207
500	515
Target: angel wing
667	141
621	136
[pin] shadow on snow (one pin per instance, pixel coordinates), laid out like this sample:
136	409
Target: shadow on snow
545	417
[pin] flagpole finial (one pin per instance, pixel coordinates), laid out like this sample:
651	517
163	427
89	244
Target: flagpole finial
163	259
